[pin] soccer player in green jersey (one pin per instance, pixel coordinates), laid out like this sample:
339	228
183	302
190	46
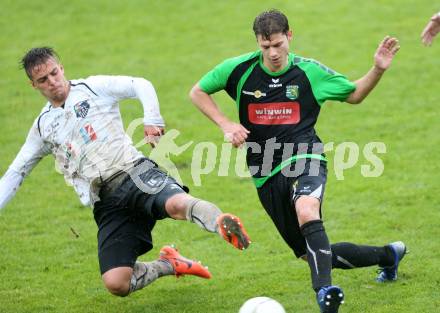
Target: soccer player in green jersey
279	95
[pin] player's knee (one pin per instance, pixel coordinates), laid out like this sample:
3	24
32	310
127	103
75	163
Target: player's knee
176	206
117	288
306	215
116	284
307	209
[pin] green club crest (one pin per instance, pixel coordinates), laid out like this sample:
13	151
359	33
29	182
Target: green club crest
292	91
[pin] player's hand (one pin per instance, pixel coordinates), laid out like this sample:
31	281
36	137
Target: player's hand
431	30
152	134
385	53
235	133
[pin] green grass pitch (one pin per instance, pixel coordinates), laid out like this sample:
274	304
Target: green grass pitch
45	267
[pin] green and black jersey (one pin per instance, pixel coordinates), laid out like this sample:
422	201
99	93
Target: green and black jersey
279	109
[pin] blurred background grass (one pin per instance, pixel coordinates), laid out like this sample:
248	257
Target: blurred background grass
44	267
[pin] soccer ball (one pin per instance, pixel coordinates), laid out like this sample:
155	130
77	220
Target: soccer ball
261	305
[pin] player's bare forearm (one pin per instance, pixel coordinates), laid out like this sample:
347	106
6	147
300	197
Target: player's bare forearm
207	106
234	132
364	85
383	57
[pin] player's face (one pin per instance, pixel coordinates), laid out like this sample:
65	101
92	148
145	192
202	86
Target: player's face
49	79
275	50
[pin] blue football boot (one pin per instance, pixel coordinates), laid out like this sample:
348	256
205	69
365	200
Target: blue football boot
329	298
389	273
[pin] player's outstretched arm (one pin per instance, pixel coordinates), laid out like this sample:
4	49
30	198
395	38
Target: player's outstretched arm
127	87
9	184
431	30
234	132
33	150
382	61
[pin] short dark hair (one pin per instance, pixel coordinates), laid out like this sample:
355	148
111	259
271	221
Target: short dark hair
269	23
37	56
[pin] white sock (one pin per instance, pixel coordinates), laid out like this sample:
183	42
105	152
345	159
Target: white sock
203	213
145	273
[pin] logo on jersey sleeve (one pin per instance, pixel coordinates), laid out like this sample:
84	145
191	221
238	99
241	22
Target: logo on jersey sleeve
274	113
292	92
88	133
81	109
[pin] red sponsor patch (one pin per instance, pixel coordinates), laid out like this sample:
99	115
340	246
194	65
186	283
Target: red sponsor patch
91	132
88	133
274	113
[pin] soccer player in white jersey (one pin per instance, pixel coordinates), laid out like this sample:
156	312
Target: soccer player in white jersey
81	127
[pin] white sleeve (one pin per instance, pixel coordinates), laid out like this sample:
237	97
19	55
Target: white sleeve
33	150
124	87
9	184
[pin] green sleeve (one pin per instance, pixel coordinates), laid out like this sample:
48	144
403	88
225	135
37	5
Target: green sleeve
216	79
326	84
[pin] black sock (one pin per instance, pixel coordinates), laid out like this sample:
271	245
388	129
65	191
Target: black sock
347	255
318	253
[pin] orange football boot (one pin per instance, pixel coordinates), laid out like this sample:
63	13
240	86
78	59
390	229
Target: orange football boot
183	266
233	231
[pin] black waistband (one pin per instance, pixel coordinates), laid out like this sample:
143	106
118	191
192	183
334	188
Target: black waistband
109	185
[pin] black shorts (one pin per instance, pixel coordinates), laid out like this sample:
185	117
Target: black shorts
278	196
126	216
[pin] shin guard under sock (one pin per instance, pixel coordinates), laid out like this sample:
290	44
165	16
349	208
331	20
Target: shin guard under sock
203	213
145	273
319	254
347	255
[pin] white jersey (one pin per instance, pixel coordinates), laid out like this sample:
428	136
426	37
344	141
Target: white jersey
85	136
